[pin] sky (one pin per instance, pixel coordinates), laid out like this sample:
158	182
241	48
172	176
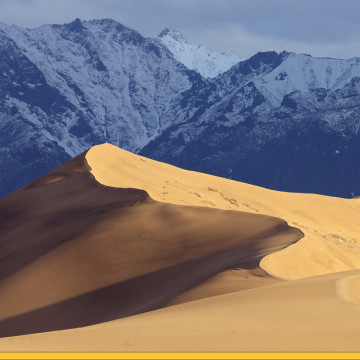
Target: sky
324	28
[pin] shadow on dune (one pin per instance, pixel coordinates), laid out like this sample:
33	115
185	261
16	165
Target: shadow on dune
127	298
74	252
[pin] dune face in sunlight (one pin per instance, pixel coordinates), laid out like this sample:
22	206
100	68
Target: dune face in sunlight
331	225
81	253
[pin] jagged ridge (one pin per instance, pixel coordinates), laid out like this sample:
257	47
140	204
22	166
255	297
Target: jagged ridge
68	87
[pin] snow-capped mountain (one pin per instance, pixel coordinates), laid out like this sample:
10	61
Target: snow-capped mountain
280	120
66	87
117	80
206	62
310	142
305	144
300	72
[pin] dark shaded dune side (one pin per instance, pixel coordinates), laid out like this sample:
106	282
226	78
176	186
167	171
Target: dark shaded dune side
129	297
74	252
54	209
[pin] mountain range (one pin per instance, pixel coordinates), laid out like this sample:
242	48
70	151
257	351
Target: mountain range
284	121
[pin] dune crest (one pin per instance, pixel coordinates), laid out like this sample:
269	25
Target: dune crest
331	225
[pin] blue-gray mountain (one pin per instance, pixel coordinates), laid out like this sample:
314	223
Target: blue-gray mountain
284	121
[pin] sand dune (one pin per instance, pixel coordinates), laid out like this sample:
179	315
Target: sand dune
300	315
85	249
331	225
82	253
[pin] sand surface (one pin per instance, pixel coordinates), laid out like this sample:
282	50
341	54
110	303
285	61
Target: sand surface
115	252
300	315
331	225
226	282
81	253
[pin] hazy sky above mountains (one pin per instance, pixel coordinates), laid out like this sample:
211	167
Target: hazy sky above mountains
242	27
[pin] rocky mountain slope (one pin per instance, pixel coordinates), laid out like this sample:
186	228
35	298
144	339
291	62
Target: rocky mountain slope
65	88
308	142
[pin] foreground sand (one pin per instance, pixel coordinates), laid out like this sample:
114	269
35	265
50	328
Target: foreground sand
314	314
331	225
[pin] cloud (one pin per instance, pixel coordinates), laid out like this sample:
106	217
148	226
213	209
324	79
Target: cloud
318	27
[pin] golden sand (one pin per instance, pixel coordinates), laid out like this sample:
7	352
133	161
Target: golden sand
331	225
300	315
236	310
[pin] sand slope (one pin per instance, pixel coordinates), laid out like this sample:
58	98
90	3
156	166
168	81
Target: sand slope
236	310
300	315
81	253
331	225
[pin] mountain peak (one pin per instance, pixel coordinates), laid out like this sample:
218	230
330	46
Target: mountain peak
206	62
76	25
106	21
176	35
